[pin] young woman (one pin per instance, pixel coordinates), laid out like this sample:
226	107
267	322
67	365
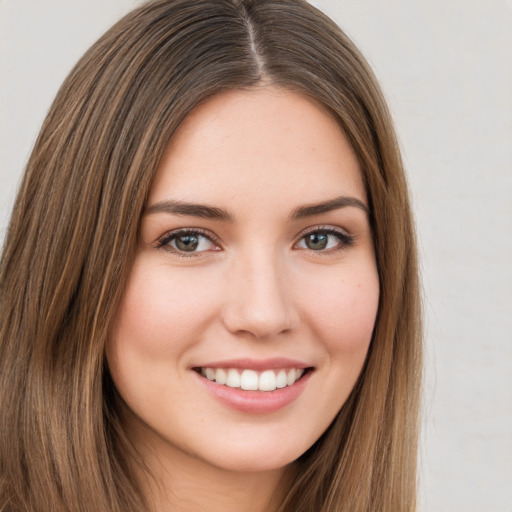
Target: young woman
209	291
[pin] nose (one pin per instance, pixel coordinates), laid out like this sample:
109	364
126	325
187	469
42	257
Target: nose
259	299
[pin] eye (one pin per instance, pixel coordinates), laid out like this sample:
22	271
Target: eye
326	240
187	242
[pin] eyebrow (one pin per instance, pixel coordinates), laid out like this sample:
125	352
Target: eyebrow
190	209
328	206
212	212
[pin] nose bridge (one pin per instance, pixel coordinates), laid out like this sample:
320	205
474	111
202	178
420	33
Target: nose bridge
260	299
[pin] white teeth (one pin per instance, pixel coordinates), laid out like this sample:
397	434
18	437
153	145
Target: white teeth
267	381
250	380
233	380
281	379
220	376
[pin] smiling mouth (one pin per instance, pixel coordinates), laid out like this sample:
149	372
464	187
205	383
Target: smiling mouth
252	380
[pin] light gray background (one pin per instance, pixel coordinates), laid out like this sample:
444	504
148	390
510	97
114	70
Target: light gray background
446	69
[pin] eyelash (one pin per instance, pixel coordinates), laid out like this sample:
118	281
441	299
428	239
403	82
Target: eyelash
163	242
345	240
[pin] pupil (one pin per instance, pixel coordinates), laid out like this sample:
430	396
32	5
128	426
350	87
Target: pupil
316	241
187	243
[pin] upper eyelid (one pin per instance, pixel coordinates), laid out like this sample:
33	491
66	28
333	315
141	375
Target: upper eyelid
327	228
176	232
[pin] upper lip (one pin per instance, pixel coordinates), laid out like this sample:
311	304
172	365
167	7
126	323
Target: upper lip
275	363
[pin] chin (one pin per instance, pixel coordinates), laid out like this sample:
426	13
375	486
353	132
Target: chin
258	453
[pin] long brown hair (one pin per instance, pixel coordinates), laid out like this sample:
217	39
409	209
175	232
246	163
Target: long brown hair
73	232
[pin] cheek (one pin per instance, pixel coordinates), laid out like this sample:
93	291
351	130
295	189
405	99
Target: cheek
343	313
162	313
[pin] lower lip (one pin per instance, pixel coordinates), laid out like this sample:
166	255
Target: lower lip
256	402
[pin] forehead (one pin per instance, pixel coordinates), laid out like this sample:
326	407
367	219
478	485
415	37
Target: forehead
267	144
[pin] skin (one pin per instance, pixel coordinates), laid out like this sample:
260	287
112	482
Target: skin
252	289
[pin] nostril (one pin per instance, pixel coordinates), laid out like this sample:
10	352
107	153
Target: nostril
263	322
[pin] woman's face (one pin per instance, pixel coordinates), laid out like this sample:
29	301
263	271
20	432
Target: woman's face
255	267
